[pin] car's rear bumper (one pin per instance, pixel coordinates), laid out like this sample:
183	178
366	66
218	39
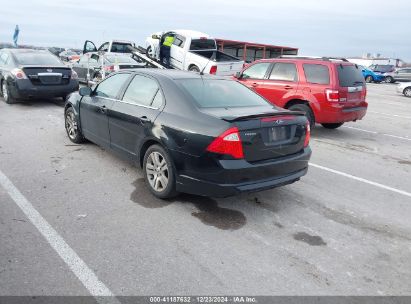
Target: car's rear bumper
241	176
338	112
24	89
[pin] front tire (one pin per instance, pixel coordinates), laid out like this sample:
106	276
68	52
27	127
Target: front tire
307	110
407	92
194	68
159	172
332	125
72	129
6	93
369	79
150	52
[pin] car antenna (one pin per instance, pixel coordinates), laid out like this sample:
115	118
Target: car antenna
202	71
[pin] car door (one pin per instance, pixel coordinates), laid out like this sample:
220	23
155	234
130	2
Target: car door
177	52
403	75
131	119
254	76
89	46
94	108
281	83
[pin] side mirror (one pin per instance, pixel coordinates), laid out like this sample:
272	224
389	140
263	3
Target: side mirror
85	91
154	36
238	75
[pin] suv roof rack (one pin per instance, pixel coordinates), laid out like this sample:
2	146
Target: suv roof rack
314	57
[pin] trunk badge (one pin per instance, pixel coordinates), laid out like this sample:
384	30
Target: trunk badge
49	70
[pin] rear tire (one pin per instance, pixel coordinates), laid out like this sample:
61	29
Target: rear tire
150	52
5	92
389	79
159	172
407	92
194	68
71	123
332	125
369	79
307	110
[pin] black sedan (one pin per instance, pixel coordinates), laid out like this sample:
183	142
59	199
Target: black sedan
27	73
192	133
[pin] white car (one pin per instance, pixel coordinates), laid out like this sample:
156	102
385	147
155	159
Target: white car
194	51
112	46
404	88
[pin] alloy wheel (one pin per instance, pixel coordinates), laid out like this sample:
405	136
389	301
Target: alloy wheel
4	91
407	92
157	171
71	125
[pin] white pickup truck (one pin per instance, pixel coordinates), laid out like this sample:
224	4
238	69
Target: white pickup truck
194	51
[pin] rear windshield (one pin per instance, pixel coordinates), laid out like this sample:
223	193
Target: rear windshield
350	75
203	44
30	58
120	59
215	93
121	47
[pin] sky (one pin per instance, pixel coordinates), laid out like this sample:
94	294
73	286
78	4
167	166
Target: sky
317	27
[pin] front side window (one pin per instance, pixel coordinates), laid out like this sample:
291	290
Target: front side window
141	91
104	47
110	87
317	73
256	71
179	41
284	71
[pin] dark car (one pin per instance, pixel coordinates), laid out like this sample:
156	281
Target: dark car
90	65
27	73
203	135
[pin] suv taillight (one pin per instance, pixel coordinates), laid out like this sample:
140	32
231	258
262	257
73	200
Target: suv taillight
332	95
307	134
213	69
228	143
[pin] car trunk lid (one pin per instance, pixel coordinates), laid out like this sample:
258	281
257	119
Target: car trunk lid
266	134
49	75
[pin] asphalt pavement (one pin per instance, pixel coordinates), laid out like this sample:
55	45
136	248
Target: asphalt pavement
77	220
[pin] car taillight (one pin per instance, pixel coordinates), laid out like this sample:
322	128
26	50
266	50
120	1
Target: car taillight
228	143
332	95
213	69
74	75
19	74
307	134
109	68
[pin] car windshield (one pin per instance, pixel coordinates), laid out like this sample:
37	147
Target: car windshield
350	75
120	59
203	44
32	58
119	47
216	93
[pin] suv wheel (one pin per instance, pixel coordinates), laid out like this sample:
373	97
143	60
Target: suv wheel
407	92
307	110
159	172
368	79
332	125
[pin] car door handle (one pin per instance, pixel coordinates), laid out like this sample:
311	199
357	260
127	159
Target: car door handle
287	87
144	120
103	109
254	84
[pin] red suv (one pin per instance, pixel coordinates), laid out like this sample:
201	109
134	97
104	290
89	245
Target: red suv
330	91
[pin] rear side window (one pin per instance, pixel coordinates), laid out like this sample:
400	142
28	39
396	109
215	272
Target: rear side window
316	73
256	71
350	75
212	93
111	86
121	47
203	44
141	91
284	71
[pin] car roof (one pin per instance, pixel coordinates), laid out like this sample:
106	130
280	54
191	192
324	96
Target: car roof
175	74
331	60
191	33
